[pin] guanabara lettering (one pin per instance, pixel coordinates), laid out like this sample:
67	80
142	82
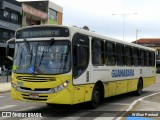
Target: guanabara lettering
122	73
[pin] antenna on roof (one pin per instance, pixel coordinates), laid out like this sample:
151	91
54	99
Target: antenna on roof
86	28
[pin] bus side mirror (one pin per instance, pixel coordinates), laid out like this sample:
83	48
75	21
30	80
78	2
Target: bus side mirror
7	49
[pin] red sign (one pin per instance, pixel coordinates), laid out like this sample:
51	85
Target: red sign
33	11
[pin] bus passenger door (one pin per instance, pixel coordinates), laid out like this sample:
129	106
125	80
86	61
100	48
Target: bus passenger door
80	71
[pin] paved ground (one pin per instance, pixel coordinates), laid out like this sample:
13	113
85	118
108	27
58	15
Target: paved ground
145	108
5	83
5	87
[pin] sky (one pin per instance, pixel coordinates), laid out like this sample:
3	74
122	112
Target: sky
98	16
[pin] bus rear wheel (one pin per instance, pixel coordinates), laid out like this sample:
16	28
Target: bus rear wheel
94	103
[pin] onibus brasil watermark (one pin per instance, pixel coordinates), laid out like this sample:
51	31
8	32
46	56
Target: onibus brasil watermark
144	114
20	114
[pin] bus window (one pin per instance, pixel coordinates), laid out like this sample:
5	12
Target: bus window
97	51
110	53
80	54
146	59
128	55
135	56
158	66
139	57
120	54
142	57
151	58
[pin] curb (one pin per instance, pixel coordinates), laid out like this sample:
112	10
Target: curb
5	87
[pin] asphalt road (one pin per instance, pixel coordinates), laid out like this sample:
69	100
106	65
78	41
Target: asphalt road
108	110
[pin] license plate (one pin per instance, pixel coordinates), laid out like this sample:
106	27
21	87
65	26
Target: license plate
34	96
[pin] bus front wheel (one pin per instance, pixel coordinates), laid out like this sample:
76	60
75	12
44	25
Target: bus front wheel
95	97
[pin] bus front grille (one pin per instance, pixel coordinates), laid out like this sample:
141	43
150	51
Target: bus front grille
36	89
35	99
35	79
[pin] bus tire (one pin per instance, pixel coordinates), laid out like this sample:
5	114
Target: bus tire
96	96
138	92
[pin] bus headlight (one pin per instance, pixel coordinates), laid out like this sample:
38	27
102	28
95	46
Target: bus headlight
65	84
13	85
60	87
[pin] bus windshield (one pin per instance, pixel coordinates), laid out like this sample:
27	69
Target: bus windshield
42	57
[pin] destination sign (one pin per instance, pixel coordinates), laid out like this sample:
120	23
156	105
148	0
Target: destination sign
36	32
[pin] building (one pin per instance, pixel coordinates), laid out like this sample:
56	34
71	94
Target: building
10	20
150	42
41	12
15	14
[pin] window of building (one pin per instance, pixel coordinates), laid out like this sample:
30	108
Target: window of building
80	54
11	35
110	53
97	51
6	14
1	33
14	16
11	16
5	34
53	14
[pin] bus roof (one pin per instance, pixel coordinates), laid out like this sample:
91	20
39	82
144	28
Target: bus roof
97	35
92	34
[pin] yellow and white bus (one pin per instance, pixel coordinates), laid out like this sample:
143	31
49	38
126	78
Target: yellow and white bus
69	65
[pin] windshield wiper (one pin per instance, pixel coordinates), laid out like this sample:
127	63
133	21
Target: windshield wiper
51	42
26	43
46	48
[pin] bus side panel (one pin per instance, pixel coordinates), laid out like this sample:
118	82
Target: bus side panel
88	92
79	87
111	89
149	76
148	81
14	94
79	94
106	89
121	87
132	85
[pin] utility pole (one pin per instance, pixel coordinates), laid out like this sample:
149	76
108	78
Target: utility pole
137	30
124	17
